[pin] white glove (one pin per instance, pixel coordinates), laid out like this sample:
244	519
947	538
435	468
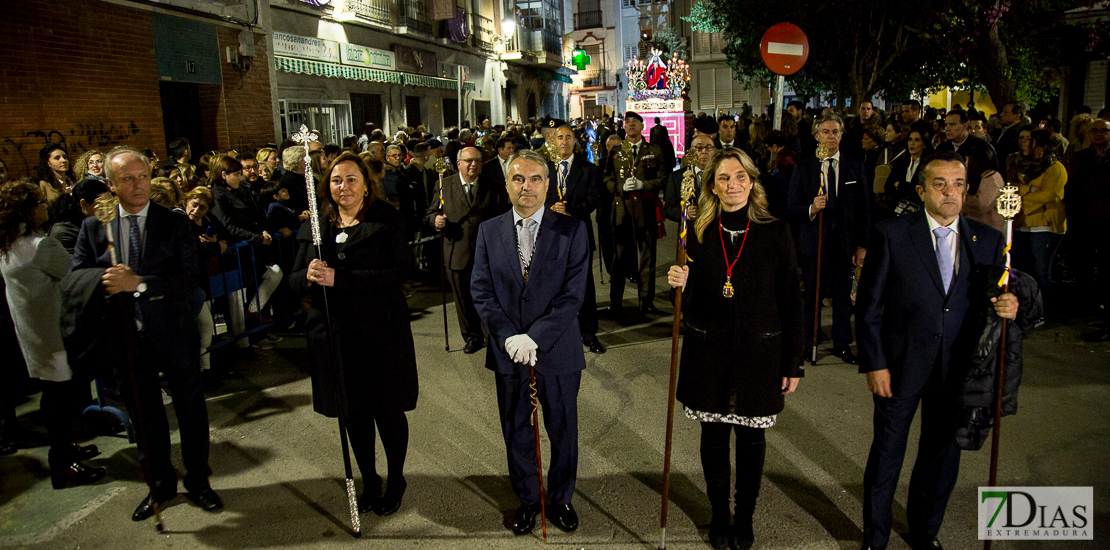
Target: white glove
530	357
633	184
518	347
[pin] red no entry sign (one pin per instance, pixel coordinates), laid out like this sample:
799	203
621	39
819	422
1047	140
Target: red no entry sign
784	48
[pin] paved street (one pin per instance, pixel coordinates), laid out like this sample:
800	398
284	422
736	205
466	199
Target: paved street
278	465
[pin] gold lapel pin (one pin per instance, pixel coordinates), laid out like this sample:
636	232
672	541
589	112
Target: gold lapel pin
974	238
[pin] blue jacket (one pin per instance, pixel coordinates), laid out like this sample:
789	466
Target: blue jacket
547	307
904	319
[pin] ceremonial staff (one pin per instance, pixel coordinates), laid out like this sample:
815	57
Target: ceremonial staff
1008	205
441	167
822	155
686	193
304	136
539	461
107	210
626	153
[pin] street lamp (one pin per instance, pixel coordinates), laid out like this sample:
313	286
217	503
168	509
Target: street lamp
508	26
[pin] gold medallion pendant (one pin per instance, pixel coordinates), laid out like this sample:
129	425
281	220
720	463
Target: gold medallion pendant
727	290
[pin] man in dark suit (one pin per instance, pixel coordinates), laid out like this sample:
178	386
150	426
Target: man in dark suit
574	189
923	278
497	169
157	274
468	200
726	132
838	186
633	180
529	281
1005	139
958	138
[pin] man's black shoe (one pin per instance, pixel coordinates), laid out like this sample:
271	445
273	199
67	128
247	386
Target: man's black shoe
75	474
524	520
846	355
472	346
146	508
564	517
594	344
922	542
206	499
85	452
649	309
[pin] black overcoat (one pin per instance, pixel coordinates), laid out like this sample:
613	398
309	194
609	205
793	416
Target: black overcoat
737	350
369	312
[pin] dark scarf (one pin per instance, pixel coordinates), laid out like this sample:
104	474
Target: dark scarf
1030	168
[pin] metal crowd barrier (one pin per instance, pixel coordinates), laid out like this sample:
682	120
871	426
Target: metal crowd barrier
236	287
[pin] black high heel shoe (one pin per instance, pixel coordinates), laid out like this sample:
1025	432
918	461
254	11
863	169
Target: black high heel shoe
391	501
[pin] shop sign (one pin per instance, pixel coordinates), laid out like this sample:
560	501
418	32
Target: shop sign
602	99
361	56
412	60
306	47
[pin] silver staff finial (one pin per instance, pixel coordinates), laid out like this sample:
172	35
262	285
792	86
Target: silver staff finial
305	136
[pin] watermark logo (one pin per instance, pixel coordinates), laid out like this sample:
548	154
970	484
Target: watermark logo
1036	513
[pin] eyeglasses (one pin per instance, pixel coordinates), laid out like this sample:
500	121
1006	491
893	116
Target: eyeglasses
957	185
703	148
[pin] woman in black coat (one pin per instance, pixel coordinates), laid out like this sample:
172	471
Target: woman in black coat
365	261
743	348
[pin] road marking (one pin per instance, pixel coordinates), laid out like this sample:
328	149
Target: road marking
65	523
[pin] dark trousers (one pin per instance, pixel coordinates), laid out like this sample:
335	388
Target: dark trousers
836	281
605	235
625	259
558	395
751	449
61	405
469	323
1034	253
587	314
934	471
149	417
394	430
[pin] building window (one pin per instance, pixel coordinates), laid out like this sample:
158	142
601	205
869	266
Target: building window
631	52
331	118
705	43
412	111
450	112
719	91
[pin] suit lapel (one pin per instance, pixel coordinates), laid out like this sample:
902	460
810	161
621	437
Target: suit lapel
544	237
920	237
118	236
152	224
511	253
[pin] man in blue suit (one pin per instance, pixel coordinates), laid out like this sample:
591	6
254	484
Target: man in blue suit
574	189
156	271
529	279
920	293
846	200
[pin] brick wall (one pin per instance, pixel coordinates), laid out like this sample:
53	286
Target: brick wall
81	73
238	114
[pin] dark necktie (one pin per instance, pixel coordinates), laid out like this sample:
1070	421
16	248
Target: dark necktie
134	250
831	172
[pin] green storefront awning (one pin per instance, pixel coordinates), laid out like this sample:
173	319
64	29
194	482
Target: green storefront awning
335	70
549	75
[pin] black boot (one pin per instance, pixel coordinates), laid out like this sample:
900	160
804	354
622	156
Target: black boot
715	465
749	474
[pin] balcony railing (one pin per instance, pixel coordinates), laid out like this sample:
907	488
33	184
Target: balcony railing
482	31
592	78
414	15
587	20
373	10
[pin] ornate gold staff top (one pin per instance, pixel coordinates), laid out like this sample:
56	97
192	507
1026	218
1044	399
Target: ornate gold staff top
822	156
626	153
107	209
305	136
1008	205
441	167
686	192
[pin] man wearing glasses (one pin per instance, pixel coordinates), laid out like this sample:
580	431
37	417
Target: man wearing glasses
468	200
703	149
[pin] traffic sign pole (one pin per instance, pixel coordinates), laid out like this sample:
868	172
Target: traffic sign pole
780	84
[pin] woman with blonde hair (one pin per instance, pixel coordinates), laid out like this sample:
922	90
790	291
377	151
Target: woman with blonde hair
744	340
269	157
89	164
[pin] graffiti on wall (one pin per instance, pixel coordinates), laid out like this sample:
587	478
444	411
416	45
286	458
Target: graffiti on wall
21	153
